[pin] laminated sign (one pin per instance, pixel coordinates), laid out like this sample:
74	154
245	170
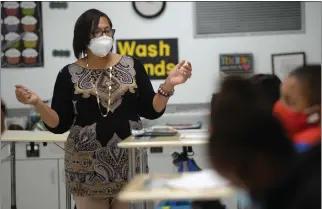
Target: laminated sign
236	63
159	56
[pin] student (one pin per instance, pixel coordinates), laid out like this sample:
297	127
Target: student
299	108
248	146
269	84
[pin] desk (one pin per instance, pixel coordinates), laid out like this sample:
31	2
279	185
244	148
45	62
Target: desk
184	138
136	191
28	136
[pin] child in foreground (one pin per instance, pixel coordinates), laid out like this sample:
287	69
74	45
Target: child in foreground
299	107
249	147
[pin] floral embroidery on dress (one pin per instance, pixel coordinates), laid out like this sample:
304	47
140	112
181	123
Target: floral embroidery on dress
123	80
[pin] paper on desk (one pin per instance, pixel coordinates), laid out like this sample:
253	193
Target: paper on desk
199	136
204	179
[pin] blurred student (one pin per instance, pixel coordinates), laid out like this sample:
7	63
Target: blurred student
299	108
269	84
249	147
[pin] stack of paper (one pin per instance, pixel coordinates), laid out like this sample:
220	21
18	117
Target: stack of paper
205	179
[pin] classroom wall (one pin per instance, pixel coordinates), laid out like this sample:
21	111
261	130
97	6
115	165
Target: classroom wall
176	22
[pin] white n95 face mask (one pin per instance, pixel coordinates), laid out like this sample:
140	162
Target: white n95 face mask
101	46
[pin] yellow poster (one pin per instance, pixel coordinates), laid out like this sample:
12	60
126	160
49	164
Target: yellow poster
158	56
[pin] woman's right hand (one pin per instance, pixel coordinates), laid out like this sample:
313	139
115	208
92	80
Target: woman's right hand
26	96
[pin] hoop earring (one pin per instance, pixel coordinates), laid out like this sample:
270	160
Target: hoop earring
84	54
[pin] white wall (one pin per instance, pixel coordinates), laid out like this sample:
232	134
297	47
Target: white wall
175	22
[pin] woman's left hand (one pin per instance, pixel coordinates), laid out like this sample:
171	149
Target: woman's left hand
180	73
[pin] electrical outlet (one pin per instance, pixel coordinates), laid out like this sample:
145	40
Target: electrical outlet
32	150
61	53
58	5
156	150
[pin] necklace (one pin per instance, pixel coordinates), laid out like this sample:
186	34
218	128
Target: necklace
109	91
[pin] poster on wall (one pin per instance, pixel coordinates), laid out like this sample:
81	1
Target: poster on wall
158	56
285	63
236	63
21	34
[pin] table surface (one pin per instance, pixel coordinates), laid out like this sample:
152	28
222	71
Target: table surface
182	139
135	191
186	138
32	136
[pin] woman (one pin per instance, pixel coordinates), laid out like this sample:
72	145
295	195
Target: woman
299	107
249	148
100	98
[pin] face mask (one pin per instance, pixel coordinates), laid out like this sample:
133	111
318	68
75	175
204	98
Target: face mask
101	46
293	122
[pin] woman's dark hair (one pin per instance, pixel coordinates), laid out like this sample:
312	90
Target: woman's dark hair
310	77
3	108
84	27
243	127
269	84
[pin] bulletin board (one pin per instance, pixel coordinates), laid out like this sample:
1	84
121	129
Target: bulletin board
21	25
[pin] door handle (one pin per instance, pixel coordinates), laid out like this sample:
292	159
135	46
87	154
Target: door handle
52	175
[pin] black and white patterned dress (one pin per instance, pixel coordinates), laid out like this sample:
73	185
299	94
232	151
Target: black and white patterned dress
94	165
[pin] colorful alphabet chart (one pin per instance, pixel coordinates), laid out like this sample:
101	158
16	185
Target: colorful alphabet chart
21	34
236	63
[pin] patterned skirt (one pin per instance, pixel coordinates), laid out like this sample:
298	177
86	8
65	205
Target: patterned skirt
94	170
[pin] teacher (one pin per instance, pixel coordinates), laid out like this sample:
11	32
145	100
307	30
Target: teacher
100	99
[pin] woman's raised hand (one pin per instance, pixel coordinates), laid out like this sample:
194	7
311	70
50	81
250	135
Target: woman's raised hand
26	96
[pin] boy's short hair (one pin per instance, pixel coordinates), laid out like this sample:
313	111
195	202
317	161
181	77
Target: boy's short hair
310	77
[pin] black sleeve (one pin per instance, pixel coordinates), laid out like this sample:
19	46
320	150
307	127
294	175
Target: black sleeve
62	102
146	93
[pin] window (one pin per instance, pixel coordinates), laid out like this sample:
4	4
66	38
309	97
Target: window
221	18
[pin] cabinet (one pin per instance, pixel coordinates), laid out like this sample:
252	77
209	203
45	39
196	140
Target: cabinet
37	184
5	185
41	188
37	179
